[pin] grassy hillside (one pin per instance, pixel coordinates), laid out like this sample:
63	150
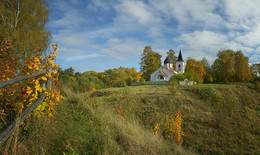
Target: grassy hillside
217	119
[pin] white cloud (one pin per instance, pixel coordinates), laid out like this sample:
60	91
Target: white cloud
206	43
199	13
82	57
242	14
100	6
72	19
252	38
135	11
120	29
123	49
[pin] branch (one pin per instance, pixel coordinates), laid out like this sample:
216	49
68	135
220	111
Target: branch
17	15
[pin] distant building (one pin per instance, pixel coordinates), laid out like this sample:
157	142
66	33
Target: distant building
164	73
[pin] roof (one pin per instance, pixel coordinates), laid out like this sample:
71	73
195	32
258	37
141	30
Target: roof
163	73
171	70
168	60
180	57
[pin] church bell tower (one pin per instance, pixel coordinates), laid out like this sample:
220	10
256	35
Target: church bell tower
180	64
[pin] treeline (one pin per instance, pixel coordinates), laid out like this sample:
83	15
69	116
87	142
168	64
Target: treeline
230	66
91	80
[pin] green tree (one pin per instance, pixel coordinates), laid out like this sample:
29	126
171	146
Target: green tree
198	68
23	22
231	66
171	55
255	71
208	78
206	64
223	66
69	71
242	69
150	61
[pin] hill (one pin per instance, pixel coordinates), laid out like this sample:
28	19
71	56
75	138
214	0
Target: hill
217	119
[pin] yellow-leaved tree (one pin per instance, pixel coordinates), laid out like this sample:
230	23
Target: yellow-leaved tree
198	68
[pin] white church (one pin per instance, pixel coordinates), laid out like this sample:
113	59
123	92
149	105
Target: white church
164	73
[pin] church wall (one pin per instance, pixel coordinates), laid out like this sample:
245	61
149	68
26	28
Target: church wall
182	66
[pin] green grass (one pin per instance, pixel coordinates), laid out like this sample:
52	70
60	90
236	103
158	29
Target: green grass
217	119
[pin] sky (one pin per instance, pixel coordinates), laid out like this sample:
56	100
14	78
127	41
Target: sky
104	34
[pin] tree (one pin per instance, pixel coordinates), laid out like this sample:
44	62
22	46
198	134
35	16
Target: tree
206	64
171	55
23	22
242	69
255	71
132	74
69	71
197	67
231	66
223	66
208	78
150	61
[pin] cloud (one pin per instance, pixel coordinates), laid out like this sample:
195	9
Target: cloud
207	43
96	68
198	13
122	49
72	19
242	14
120	29
137	16
136	11
99	6
81	57
252	38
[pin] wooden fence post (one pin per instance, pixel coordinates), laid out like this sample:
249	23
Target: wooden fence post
8	131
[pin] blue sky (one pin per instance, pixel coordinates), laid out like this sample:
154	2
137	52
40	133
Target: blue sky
103	34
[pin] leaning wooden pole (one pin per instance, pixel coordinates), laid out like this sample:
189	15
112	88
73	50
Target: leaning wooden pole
9	130
21	78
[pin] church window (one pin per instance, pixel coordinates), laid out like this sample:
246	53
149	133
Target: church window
179	67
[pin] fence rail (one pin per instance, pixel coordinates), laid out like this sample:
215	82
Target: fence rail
9	130
20	78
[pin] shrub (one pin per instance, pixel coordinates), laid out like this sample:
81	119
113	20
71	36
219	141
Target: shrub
180	77
143	82
172	127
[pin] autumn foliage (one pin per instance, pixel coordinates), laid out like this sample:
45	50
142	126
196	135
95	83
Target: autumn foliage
198	68
9	94
171	127
18	97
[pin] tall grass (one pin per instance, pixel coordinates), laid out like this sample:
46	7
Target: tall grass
91	125
216	120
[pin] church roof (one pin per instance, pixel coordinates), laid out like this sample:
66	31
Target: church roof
168	60
170	69
180	57
163	73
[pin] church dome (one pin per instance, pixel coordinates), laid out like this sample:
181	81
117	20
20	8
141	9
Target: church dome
168	60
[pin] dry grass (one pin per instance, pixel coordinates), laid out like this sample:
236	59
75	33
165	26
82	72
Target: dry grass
217	119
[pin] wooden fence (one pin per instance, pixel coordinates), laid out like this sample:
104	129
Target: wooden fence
9	130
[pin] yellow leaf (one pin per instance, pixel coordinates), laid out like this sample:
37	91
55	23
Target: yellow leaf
48	75
51	62
44	78
61	97
54	72
36	82
29	90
